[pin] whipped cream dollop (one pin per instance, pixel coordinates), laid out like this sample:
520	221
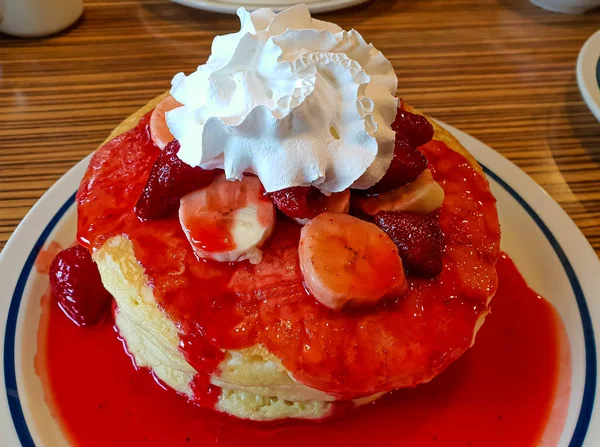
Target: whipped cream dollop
294	100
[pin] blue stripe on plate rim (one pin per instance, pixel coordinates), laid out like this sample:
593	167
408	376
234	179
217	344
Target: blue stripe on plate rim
598	73
589	390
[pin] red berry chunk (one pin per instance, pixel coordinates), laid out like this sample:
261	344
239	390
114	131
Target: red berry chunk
169	180
407	164
415	127
299	202
76	285
419	240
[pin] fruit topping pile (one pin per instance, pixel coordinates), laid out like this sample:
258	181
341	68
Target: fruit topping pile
353	249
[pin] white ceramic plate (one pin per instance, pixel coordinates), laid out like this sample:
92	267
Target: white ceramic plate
546	245
231	6
588	73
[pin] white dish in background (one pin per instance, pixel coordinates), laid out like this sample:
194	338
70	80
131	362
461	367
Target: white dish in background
231	6
548	248
36	18
567	6
588	73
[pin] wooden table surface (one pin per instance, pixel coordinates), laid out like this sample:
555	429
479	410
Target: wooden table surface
501	70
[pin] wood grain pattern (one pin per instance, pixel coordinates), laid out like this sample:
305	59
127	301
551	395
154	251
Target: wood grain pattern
501	70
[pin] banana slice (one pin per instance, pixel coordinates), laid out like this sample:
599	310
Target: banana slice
346	261
423	195
228	221
159	132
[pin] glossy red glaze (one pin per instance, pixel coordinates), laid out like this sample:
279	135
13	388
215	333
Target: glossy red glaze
76	284
210	234
500	393
349	354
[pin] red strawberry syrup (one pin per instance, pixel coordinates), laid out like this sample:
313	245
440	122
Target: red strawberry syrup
502	392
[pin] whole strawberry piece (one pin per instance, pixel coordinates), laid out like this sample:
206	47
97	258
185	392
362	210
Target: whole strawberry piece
419	240
414	127
169	180
76	285
293	202
407	164
299	202
302	203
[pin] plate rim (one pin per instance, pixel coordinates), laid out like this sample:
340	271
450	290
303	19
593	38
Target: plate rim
588	73
64	185
315	7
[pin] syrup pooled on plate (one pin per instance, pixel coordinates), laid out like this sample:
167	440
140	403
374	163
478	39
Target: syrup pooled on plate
502	392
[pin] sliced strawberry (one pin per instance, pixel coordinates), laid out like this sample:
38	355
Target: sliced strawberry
407	164
169	180
419	240
293	202
415	127
76	285
306	202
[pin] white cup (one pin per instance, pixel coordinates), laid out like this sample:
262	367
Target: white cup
35	18
567	6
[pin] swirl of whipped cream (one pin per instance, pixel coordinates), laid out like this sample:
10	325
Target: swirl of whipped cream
294	100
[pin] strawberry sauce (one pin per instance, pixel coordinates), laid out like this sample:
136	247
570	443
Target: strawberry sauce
401	343
500	393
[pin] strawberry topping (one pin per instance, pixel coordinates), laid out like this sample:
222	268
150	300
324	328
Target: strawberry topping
76	285
169	180
414	127
419	240
407	164
300	202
